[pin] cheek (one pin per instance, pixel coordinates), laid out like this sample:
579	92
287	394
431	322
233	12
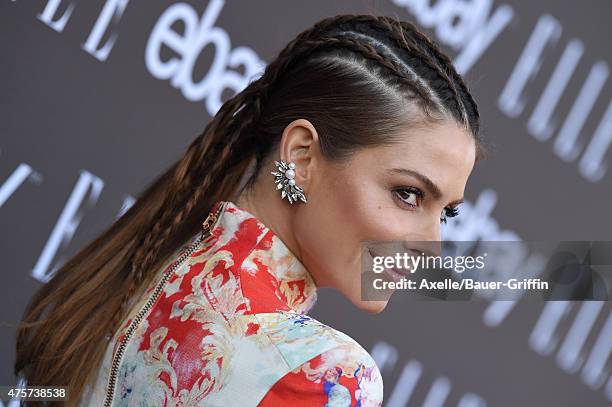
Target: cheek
330	227
339	217
370	212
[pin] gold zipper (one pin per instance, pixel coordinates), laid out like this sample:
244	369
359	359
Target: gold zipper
207	225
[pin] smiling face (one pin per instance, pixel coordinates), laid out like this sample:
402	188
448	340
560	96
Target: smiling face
388	193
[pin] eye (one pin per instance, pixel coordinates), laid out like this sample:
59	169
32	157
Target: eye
410	196
448	213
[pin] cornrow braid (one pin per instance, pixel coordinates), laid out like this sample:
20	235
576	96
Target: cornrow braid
415	81
420	47
369	52
200	152
414	44
397	33
445	61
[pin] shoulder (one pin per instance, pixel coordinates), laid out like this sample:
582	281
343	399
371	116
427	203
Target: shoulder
324	365
272	358
299	337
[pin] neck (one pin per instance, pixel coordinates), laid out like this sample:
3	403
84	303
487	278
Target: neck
263	202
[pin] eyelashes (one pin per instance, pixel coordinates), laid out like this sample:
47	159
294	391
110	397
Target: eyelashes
449	213
406	194
402	192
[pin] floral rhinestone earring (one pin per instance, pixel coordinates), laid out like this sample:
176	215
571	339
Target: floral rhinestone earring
284	180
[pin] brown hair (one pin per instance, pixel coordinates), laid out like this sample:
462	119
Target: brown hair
358	79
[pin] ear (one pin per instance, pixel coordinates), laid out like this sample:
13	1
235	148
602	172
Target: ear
300	144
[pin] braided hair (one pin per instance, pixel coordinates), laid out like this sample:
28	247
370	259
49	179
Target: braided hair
358	78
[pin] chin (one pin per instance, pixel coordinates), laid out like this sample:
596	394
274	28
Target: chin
372	307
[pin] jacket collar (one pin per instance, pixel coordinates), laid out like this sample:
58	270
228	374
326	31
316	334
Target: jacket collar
269	260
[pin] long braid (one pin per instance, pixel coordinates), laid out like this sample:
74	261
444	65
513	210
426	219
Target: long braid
199	152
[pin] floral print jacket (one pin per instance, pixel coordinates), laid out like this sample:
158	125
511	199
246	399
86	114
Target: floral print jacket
225	324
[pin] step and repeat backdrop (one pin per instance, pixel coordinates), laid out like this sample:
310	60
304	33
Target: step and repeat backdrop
97	97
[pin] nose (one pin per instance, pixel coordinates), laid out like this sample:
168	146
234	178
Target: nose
432	245
427	238
431	230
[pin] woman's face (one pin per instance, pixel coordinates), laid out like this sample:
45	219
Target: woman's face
390	193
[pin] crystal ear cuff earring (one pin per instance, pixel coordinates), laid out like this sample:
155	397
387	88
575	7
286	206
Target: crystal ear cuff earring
284	180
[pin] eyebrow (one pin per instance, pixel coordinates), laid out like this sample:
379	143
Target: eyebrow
431	186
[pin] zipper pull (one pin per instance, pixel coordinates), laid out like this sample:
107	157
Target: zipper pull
210	221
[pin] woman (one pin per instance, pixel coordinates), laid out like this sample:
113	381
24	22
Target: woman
199	294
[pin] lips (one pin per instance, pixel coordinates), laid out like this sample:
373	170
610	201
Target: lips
394	273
